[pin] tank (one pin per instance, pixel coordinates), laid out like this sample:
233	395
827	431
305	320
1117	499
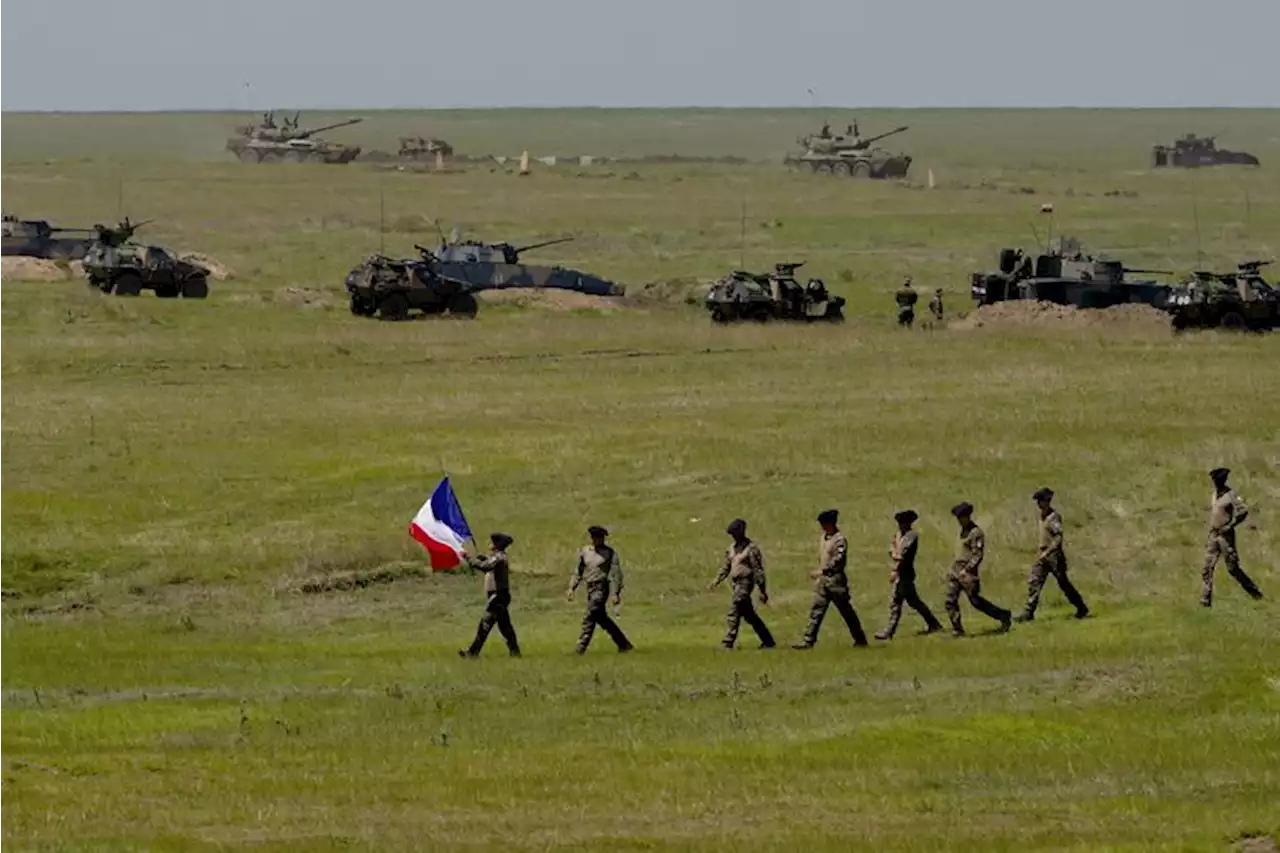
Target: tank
742	296
36	238
445	280
1065	275
267	142
423	148
115	264
1193	151
850	154
1238	301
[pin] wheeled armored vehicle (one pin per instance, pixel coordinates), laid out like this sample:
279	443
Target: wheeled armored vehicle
1066	276
743	295
36	238
116	265
1193	151
850	155
1239	301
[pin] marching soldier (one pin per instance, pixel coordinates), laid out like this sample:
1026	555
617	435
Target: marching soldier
1051	559
1227	511
903	553
497	591
831	584
599	568
964	574
744	566
906	298
935	306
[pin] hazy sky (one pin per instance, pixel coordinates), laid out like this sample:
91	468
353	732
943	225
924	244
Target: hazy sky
198	54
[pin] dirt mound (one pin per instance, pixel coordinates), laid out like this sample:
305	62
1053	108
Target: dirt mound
556	300
303	297
21	268
217	271
688	291
1022	312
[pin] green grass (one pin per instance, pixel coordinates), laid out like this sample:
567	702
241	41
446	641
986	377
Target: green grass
175	473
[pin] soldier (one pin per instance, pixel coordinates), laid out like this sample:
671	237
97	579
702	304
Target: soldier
903	576
935	306
1227	511
831	584
598	566
744	565
964	574
1051	559
906	298
497	590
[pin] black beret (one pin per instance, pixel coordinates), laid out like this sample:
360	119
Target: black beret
962	509
737	527
597	532
907	515
828	516
1219	473
1045	494
500	540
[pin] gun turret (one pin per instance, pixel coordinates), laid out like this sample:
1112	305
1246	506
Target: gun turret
294	133
533	246
787	269
1253	266
119	235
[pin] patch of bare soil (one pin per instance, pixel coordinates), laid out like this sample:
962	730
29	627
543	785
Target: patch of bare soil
1022	313
551	298
21	268
217	271
361	579
1256	844
303	297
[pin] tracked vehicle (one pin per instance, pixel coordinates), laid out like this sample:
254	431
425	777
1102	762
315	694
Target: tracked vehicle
1065	275
267	142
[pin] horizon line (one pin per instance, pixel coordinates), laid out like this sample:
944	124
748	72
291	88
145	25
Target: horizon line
634	108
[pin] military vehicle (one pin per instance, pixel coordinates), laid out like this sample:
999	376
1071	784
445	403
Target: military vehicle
36	238
850	154
422	148
1064	275
445	280
113	264
1239	301
266	142
743	295
1192	151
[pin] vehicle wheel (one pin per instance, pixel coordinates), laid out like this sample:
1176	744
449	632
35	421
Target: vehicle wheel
195	288
394	307
861	170
128	285
249	156
834	314
842	170
270	157
464	305
167	291
719	315
297	156
1234	321
362	306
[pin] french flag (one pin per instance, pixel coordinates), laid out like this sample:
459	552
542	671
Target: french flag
441	528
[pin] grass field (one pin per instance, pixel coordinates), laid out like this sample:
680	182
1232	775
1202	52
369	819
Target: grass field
176	474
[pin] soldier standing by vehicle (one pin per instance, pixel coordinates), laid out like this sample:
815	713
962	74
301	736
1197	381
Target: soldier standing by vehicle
497	590
906	298
831	584
903	576
935	306
1051	559
964	574
1227	511
599	567
744	566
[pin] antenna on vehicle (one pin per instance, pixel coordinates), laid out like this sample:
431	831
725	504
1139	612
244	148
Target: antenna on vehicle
120	193
742	237
1036	233
1195	218
439	230
382	219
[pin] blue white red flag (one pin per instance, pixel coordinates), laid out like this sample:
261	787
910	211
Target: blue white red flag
441	528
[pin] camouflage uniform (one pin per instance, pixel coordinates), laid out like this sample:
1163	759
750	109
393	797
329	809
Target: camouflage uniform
1050	560
744	567
497	590
598	567
1226	510
964	578
903	551
832	588
906	298
935	306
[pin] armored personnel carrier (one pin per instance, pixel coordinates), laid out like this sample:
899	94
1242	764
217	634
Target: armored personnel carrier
1193	151
743	295
849	154
116	265
422	148
36	238
1239	301
445	280
1065	275
267	142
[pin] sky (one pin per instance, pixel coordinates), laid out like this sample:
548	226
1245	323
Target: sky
381	54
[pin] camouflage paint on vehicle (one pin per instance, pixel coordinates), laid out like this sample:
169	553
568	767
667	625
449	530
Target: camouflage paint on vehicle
113	264
1064	275
266	142
36	238
1238	301
850	155
743	295
1193	151
423	148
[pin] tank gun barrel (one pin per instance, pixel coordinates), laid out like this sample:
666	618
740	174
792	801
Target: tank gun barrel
1146	271
533	246
309	132
1254	266
879	136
